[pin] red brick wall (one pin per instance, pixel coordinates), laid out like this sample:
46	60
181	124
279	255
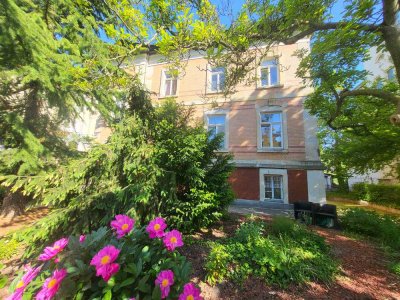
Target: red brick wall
245	183
298	189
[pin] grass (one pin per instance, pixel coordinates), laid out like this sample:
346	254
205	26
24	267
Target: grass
8	248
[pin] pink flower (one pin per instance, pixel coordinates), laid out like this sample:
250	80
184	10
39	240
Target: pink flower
82	238
30	274
165	279
190	292
51	285
156	228
173	239
50	252
104	262
122	224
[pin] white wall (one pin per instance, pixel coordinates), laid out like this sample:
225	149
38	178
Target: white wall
316	186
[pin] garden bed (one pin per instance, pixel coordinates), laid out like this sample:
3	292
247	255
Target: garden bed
363	272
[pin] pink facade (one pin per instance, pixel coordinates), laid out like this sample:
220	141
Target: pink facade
264	123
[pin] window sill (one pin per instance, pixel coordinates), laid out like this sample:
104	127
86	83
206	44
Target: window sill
270	87
165	97
222	151
280	150
214	92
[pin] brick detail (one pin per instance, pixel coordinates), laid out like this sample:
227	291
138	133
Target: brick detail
245	183
297	185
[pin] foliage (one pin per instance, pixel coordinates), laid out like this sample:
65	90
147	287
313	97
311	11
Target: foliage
140	259
281	253
8	247
383	229
160	166
381	194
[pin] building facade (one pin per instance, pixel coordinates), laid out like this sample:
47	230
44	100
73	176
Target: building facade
264	123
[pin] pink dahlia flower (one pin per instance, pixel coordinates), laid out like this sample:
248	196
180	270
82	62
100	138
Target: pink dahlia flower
165	279
190	292
50	252
104	262
122	224
173	239
51	285
156	228
30	274
82	238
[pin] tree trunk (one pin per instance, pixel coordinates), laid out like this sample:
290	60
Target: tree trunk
13	204
33	106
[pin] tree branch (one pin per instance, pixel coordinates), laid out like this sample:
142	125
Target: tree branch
388	96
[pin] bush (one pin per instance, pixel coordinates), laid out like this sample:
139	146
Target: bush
149	167
8	247
105	266
383	229
278	257
381	194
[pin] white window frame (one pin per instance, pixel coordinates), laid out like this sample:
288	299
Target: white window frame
210	73
272	109
285	186
260	68
163	81
226	114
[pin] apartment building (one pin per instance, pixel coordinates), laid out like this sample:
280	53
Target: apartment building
264	123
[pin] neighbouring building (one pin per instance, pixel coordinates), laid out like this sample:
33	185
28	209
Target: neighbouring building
265	126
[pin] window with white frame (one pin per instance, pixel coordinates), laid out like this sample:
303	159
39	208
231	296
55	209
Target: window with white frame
273	187
216	124
169	85
391	74
269	73
217	79
271	129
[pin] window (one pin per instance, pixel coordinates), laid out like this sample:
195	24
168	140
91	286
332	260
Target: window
271	130
269	75
273	187
170	84
216	125
217	79
391	74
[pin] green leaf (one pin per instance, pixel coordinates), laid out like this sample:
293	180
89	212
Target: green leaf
108	295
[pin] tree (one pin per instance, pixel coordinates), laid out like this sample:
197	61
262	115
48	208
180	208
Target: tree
355	111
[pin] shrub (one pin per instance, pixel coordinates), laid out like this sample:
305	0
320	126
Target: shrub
278	258
8	247
109	266
383	229
149	167
381	194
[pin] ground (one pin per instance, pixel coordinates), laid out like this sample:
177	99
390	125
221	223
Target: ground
364	273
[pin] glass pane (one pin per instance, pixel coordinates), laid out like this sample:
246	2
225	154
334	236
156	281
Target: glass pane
213	131
167	87
274	75
270	117
277	181
265	135
270	62
268	187
174	85
278	193
168	75
218	70
391	74
276	135
214	82
264	77
216	119
220	128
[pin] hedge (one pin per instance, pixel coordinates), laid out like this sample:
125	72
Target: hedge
381	194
